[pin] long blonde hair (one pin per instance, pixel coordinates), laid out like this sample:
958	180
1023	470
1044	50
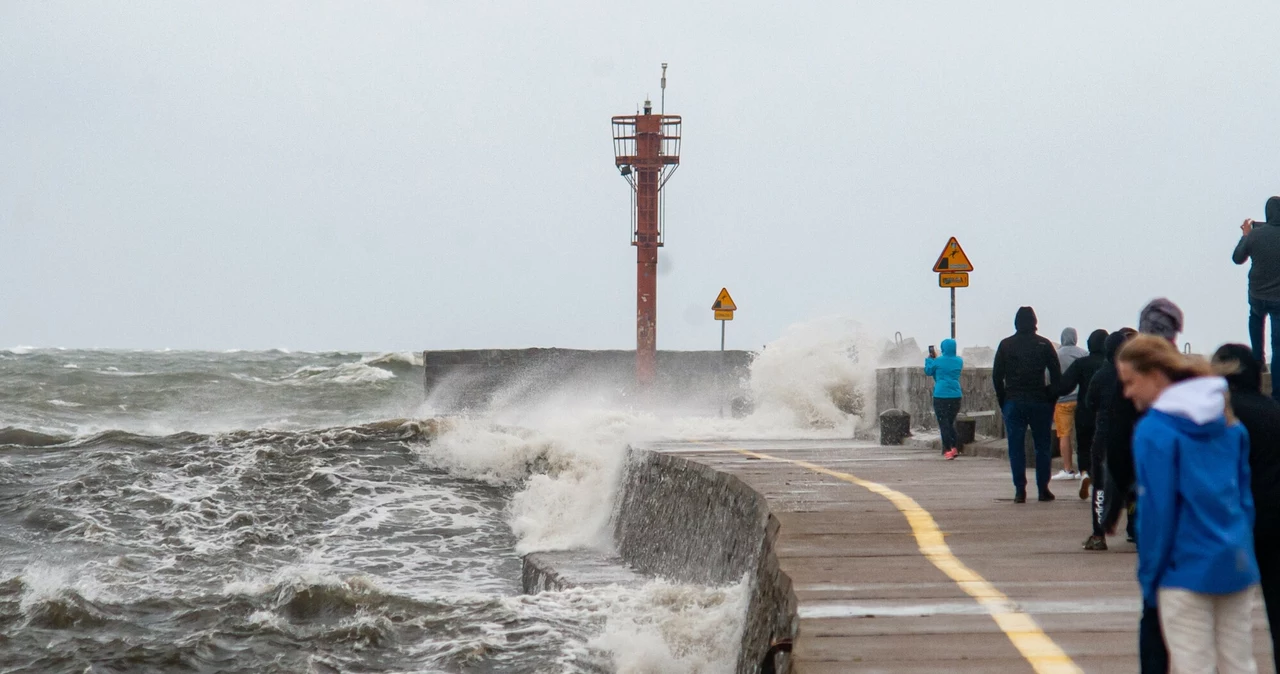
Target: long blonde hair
1148	353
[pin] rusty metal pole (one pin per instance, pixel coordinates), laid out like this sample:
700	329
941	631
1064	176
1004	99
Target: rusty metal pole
648	168
646	152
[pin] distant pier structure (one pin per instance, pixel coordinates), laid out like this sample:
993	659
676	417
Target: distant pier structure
646	150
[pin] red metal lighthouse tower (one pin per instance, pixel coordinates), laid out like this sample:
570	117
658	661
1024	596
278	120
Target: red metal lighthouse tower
646	151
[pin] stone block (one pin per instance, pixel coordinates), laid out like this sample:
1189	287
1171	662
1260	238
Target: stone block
895	427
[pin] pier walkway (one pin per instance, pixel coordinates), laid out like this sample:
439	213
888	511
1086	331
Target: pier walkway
904	562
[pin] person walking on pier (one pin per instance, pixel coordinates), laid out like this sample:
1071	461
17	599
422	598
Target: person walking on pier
945	370
1196	561
1261	243
1064	413
1261	418
1160	318
1163	319
1098	396
1076	378
1025	374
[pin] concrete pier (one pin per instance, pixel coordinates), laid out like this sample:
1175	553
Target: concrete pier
903	562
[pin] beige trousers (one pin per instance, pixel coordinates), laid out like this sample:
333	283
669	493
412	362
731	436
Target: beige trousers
1208	633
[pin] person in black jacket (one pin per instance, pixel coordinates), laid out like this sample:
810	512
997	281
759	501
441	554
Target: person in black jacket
1261	417
1164	319
1026	399
1076	378
1098	397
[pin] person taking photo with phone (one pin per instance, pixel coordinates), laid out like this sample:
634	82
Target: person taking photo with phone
1260	242
945	370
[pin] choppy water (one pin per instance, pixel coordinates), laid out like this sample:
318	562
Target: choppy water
277	512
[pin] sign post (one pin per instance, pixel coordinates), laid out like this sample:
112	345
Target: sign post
723	308
953	268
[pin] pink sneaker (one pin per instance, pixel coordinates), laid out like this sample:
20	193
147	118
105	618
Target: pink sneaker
951	454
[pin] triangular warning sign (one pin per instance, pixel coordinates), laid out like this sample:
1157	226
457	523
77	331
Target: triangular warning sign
953	258
724	302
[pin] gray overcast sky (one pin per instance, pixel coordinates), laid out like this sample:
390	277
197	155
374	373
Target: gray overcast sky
440	175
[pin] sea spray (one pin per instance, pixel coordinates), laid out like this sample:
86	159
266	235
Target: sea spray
818	374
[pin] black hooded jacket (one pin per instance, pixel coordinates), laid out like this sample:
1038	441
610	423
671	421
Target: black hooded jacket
1263	246
1022	361
1122	416
1098	395
1081	372
1261	417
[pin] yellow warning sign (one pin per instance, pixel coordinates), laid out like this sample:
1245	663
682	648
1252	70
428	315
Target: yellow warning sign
953	279
953	258
724	302
724	315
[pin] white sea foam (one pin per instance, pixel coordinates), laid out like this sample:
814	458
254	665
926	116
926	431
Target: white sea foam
657	628
413	358
44	583
665	628
345	373
62	403
813	375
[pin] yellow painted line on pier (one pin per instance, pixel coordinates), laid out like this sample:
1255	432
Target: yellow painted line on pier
1045	656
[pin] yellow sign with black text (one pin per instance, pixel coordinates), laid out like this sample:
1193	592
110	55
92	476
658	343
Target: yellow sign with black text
953	280
724	315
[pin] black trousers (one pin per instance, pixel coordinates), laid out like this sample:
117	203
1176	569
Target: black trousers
1098	482
1152	653
946	410
1084	445
1269	565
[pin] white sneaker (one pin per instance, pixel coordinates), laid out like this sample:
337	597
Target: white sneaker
1063	475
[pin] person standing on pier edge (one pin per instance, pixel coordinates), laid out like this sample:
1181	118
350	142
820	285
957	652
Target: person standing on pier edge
1261	418
945	370
1064	413
1026	399
1261	243
1195	508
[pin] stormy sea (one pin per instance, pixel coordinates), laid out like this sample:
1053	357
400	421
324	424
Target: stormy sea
277	511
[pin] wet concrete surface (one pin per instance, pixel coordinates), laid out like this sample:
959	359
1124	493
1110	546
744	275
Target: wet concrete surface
870	601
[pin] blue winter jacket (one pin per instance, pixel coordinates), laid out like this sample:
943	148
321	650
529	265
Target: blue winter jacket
1195	507
945	370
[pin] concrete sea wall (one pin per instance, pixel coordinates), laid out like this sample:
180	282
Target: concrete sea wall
908	389
463	379
686	522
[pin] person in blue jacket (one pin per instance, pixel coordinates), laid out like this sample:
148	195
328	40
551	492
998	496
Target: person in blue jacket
945	370
1196	560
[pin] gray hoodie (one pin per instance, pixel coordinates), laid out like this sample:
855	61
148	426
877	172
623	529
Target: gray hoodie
1069	353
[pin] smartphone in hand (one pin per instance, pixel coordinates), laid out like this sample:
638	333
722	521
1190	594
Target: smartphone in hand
933	353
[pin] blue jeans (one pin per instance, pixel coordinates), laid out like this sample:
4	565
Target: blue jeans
1259	310
946	410
1017	417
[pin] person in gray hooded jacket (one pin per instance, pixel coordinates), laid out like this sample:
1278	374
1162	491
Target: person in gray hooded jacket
1064	413
1261	243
